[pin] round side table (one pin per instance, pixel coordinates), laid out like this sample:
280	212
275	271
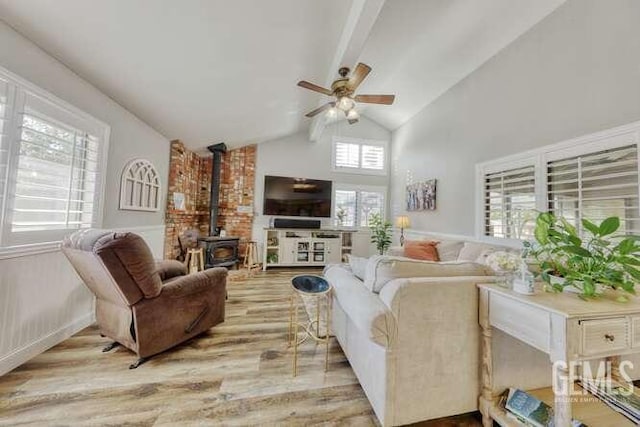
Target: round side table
318	288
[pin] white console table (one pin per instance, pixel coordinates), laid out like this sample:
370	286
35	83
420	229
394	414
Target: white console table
566	328
293	247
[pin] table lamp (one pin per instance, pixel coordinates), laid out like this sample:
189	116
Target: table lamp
402	222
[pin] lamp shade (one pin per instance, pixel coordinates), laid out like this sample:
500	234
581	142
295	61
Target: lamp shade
402	221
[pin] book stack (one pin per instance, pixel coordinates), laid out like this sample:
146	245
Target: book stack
618	397
530	411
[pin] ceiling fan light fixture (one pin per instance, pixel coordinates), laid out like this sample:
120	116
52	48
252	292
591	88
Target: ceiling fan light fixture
331	113
352	114
345	103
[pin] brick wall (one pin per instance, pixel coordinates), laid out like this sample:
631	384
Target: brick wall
191	174
237	191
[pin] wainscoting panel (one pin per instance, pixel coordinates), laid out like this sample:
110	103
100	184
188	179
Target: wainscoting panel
43	301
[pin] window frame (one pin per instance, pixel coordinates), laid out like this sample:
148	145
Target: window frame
19	91
599	141
359	189
360	170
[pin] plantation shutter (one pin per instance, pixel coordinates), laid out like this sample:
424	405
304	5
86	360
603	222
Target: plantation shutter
509	209
371	203
596	186
347	155
4	142
373	157
57	170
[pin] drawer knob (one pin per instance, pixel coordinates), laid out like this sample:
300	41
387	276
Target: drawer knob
609	337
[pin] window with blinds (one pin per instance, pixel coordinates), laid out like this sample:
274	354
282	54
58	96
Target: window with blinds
355	206
510	203
596	186
359	156
50	157
56	176
4	141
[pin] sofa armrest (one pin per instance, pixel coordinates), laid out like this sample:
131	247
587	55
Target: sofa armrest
195	282
168	269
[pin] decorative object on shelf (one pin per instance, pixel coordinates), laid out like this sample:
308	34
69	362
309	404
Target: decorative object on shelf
505	265
140	186
421	196
587	265
272	258
523	282
402	222
380	233
179	201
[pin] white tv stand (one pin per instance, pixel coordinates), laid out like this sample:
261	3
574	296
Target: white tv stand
294	247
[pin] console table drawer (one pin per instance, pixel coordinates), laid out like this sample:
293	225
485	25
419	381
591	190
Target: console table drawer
600	336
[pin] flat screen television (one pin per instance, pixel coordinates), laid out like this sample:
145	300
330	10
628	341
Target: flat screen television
286	196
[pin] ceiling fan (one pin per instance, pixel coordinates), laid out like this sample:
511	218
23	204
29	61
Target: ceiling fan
343	89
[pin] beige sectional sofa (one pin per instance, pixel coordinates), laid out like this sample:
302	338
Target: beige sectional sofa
410	330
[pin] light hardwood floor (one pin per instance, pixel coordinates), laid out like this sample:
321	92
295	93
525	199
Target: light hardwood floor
238	373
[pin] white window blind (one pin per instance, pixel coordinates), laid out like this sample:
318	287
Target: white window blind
354	206
510	202
4	141
359	156
371	203
373	157
347	155
596	186
50	159
346	208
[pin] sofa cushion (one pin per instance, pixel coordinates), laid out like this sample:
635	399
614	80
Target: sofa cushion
365	309
448	250
424	250
471	251
382	269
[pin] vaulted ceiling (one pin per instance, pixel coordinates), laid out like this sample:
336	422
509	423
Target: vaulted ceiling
219	70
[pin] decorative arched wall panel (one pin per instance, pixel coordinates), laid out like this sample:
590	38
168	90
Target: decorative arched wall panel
140	186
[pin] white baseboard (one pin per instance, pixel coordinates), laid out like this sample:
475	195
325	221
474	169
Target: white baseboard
21	355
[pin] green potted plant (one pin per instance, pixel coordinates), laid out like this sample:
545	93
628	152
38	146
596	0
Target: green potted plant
587	264
380	232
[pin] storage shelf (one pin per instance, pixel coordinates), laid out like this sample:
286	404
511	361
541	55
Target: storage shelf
587	409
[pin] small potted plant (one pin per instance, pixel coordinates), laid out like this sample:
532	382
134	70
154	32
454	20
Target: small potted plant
380	232
589	263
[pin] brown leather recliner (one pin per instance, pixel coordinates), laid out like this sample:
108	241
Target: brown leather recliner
145	305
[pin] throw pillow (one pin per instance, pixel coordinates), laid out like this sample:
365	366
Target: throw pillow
424	250
383	269
358	266
471	251
448	250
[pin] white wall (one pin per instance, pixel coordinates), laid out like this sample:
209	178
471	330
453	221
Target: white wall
296	156
41	298
576	72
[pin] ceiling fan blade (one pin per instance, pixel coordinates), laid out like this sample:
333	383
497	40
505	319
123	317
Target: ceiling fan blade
358	75
352	121
320	109
376	99
315	88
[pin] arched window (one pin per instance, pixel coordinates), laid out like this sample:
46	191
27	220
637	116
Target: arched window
140	186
